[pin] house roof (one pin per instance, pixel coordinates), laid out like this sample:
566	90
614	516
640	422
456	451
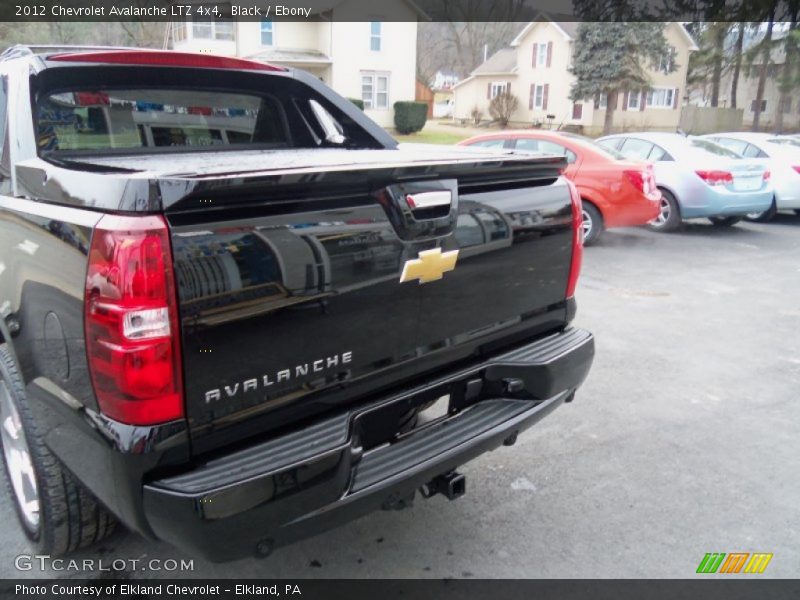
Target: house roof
566	28
502	61
689	38
569	30
291	55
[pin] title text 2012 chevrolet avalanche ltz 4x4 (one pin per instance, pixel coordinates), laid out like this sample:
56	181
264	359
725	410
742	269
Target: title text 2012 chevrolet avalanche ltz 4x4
227	298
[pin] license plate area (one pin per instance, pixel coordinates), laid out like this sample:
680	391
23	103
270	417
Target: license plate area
747	184
395	418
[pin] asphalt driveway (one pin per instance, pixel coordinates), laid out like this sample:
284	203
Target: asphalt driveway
684	440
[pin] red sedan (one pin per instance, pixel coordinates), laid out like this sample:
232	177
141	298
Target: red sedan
616	192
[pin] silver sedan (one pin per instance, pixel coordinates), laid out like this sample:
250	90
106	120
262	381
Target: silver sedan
697	178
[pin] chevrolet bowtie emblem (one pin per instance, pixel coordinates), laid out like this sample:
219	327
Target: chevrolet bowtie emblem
430	266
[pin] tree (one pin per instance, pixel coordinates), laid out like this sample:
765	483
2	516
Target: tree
790	73
710	62
738	49
502	107
612	57
434	51
113	33
461	32
764	51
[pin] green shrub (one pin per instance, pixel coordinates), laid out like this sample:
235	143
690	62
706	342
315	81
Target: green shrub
358	102
410	117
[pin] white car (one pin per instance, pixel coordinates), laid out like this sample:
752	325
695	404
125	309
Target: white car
781	155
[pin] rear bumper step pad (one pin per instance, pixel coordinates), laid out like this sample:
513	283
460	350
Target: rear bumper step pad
305	482
435	440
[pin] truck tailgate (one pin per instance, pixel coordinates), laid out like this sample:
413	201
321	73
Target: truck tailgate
290	290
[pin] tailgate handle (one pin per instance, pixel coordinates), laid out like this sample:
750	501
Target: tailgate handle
420	210
425	200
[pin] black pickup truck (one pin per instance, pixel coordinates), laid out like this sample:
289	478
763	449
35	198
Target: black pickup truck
231	305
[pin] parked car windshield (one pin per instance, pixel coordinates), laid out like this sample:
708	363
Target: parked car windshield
156	118
713	148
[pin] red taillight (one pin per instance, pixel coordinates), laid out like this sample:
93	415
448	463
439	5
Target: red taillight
164	59
767	175
644	181
636	178
577	239
796	169
715	177
131	321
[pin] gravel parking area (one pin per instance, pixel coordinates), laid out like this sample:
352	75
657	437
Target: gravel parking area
684	440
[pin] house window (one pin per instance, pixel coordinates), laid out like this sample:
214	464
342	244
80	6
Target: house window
763	106
633	100
666	60
786	106
541	54
267	31
375	89
223	30
497	88
178	32
217	30
661	98
602	101
577	111
538	96
375	36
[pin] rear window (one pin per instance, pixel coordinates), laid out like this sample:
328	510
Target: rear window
713	148
496	143
604	151
122	119
125	110
785	141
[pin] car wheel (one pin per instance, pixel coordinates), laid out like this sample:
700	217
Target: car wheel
592	224
669	217
724	221
55	512
764	216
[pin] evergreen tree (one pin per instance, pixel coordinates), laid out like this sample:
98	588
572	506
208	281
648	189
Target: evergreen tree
611	57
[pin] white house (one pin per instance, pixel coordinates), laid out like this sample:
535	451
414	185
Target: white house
535	68
371	60
444	80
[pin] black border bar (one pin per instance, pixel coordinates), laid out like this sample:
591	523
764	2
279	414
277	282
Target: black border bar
394	10
715	588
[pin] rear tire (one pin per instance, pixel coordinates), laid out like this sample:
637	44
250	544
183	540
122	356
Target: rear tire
56	513
764	216
724	221
592	224
669	219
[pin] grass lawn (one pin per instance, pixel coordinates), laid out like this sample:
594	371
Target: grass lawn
433	137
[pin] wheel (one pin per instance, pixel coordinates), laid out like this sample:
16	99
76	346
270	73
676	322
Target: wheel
724	221
764	216
55	512
592	224
669	219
